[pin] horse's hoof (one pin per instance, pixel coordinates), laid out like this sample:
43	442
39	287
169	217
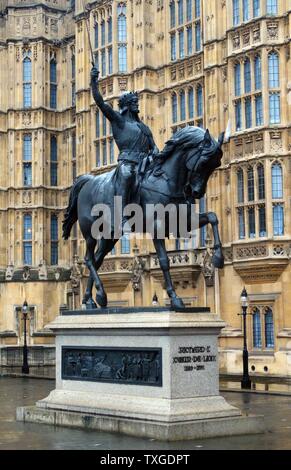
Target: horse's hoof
90	304
218	261
101	300
177	303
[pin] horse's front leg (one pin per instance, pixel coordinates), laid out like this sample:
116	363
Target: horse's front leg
176	302
211	218
88	299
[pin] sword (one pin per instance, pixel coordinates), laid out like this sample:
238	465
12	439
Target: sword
88	32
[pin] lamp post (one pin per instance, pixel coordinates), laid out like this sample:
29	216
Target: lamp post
25	367
246	381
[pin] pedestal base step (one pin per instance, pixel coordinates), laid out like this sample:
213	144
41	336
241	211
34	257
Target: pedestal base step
178	431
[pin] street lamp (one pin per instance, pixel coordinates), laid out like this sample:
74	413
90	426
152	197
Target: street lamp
246	381
25	367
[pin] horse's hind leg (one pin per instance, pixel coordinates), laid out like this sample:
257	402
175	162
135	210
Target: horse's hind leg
160	247
105	246
90	263
87	299
211	218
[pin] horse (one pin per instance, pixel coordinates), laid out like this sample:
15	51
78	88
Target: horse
180	174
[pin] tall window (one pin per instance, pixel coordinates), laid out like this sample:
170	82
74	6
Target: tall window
237	80
109	30
111	150
259	110
110	61
277	181
27	239
278	219
248	112
238	120
269	328
197	8
122	58
246	10
274	108
240	186
74	154
73	68
273	66
258	73
256	8
247	76
261	181
96	39
172	14
182	106
27	82
104	125
180	12
103	62
125	245
252	222
173	47
189	10
257	330
54	161
104	152
181	44
53	84
241	224
122	30
199	101
54	240
251	186
198	36
103	33
174	108
189	40
27	160
235	11
97	123
272	7
191	103
262	221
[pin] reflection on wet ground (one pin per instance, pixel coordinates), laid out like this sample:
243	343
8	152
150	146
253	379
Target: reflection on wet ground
26	391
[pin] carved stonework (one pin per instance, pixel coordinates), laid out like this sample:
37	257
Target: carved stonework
276	141
9	272
235	40
122	82
42	271
137	272
272	29
255	251
228	254
259	144
248	146
246	35
256	33
208	270
173	73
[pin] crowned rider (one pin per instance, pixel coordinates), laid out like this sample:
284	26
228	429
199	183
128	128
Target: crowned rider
133	138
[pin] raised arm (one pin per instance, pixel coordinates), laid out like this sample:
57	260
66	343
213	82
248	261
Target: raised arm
106	109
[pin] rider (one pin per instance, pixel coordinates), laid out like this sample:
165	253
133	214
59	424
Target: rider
133	138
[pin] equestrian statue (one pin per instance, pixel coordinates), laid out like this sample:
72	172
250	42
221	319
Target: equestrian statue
177	175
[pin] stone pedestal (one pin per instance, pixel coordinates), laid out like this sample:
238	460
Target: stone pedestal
148	372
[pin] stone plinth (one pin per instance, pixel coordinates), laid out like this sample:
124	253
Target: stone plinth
147	373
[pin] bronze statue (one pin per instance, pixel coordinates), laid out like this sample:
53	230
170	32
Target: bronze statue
177	175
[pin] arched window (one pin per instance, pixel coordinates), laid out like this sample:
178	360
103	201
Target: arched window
277	181
257	330
247	76
53	84
237	80
199	101
122	58
261	181
172	14
180	12
256	8
258	73
54	240
182	106
246	10
27	160
273	68
174	108
272	7
121	22
96	39
54	161
240	186
251	186
125	245
109	31
235	12
27	239
27	83
269	328
191	103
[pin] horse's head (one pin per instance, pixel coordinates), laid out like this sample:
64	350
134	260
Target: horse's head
201	161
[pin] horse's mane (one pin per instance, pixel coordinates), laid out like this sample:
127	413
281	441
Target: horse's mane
186	138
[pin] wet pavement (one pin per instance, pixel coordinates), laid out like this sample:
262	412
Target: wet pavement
26	391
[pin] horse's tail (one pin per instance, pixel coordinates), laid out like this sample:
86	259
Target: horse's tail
71	214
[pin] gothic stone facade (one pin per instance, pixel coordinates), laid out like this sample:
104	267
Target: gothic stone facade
192	62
